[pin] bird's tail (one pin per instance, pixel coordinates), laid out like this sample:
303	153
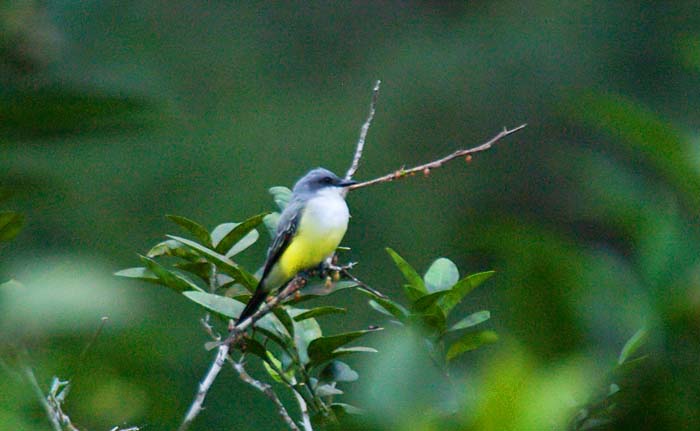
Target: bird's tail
253	303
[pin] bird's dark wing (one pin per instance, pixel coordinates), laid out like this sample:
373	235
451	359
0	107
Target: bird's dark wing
286	227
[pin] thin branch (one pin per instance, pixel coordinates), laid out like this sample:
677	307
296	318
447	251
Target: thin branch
345	270
304	408
51	413
204	386
290	289
363	132
224	347
267	390
426	167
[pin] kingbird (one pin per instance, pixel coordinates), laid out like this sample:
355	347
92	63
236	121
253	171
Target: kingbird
309	230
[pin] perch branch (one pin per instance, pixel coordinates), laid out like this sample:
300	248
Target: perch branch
290	289
204	386
266	389
224	347
363	132
426	167
304	409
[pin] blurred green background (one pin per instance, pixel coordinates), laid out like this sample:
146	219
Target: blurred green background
113	114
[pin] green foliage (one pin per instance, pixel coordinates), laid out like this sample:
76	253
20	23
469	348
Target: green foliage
600	409
289	340
590	215
230	239
432	298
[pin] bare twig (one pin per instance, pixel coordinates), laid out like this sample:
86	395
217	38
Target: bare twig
363	285
304	409
224	347
267	390
345	270
426	167
204	386
363	132
53	415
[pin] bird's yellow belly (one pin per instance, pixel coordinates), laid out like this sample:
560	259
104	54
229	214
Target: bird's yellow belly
318	235
308	250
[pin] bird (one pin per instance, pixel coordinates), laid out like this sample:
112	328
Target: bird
309	230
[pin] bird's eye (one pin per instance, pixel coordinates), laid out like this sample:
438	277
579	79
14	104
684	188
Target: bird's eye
326	180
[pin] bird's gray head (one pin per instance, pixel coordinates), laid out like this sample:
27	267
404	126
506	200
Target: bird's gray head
318	179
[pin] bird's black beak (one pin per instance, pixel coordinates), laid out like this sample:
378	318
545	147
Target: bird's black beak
346	183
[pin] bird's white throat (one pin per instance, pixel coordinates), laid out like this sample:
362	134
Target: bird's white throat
327	210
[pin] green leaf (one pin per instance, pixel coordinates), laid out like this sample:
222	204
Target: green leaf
320	289
375	305
192	227
472	320
441	275
223	305
284	318
305	332
139	273
321	349
172	248
434	320
254	347
427	301
327	390
338	371
413	294
272	364
231	308
408	271
632	345
200	269
223	263
319	311
281	340
271	220
462	289
269	361
11	223
341	351
281	195
169	278
471	341
341	408
232	238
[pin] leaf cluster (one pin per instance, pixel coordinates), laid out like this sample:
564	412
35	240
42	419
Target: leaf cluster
288	341
431	302
599	412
